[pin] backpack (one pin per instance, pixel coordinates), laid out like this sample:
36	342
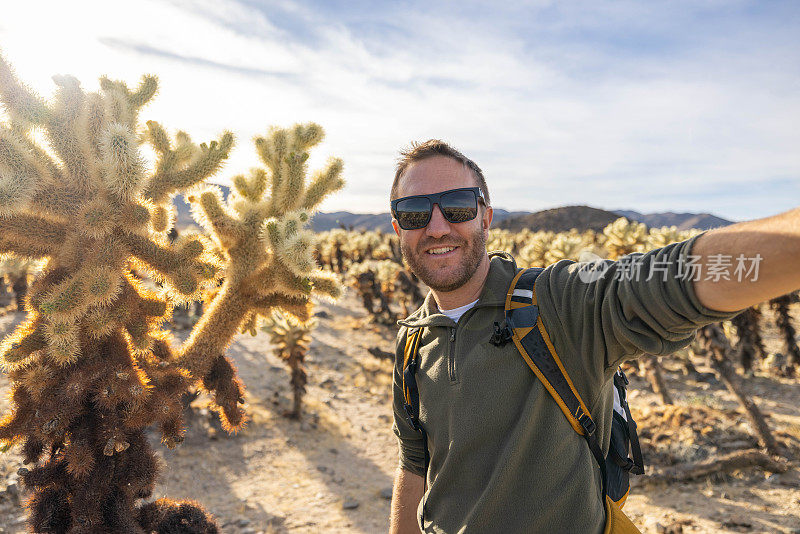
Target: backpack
524	327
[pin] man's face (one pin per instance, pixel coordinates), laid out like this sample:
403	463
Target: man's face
443	255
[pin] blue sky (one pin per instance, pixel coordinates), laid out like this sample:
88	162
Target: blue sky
652	106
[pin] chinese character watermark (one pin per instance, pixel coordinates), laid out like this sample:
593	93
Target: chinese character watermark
716	267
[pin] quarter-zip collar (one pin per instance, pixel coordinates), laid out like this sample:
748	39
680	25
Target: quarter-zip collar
502	268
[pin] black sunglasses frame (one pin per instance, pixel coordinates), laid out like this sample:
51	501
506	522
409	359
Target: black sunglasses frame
435	198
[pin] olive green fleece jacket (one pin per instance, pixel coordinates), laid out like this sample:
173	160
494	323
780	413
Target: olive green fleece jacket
502	456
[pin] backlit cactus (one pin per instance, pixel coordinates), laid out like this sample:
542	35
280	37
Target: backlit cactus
624	237
534	252
291	339
661	237
90	367
566	245
262	232
370	279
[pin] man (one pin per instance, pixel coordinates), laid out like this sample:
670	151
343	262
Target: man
502	457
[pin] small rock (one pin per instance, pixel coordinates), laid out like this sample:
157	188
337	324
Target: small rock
248	531
386	493
790	479
350	504
670	529
12	490
333	451
322	469
322	314
338	480
242	522
327	383
738	521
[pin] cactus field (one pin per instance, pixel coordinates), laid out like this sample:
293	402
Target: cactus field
328	466
238	378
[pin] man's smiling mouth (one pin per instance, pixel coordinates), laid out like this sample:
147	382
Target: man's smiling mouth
440	250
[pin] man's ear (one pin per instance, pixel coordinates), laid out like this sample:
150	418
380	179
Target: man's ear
396	227
486	219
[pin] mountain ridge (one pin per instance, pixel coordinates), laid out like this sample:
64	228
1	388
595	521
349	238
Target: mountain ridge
559	219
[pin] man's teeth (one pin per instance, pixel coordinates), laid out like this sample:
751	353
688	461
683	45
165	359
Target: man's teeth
441	250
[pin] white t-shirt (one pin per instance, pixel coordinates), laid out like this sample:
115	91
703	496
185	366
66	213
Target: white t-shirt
456	313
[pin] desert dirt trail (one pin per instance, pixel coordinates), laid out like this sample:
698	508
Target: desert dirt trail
332	471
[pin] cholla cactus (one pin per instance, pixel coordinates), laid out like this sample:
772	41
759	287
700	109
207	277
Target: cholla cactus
780	305
533	253
624	237
265	238
661	237
370	278
330	249
500	239
91	368
566	245
750	345
291	339
15	272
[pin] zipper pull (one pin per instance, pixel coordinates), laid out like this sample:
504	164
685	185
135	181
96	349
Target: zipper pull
453	334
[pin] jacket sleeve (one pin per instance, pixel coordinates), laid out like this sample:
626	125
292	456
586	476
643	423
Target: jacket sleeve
412	447
608	314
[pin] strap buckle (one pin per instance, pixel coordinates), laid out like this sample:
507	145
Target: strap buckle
410	417
501	336
586	422
620	380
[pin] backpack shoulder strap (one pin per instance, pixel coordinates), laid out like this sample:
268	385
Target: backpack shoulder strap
534	344
410	391
635	465
410	363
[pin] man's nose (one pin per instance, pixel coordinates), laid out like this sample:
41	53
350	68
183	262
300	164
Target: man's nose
438	226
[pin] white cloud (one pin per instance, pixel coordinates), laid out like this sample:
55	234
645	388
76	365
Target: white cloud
623	105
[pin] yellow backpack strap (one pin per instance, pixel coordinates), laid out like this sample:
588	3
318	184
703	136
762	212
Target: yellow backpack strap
534	344
410	391
410	365
410	355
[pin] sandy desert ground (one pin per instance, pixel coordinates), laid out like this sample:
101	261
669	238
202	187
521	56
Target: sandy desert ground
332	471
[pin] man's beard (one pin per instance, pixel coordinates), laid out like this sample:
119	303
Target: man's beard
473	250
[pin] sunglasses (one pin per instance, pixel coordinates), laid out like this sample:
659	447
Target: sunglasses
457	206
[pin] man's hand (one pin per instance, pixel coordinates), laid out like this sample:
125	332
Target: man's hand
776	239
407	492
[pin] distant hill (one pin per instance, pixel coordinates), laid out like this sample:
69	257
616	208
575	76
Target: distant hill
684	221
323	221
556	219
562	219
381	221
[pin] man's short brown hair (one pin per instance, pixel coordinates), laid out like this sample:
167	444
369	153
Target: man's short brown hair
435	147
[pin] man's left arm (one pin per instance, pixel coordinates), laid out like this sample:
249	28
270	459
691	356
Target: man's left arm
599	315
770	245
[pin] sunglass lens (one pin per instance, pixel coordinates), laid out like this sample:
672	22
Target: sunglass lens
413	213
459	206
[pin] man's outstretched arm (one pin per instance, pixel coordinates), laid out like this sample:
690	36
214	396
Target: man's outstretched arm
407	492
775	239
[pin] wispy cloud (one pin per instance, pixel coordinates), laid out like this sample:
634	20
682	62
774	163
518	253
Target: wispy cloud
646	105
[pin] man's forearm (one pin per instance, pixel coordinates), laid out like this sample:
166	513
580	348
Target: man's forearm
776	239
407	492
